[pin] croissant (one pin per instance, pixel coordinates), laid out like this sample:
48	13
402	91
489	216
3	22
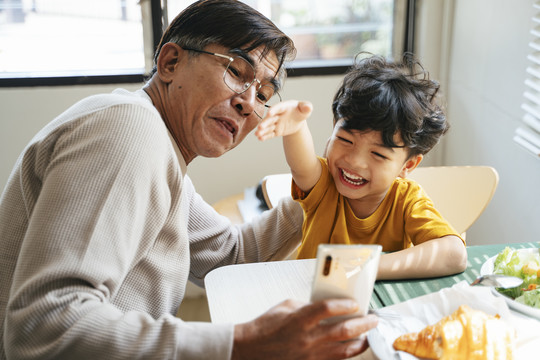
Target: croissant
465	334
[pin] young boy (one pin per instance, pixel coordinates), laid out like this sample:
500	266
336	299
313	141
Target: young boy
385	119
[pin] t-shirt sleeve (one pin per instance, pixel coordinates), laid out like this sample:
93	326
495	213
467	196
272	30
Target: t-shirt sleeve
309	200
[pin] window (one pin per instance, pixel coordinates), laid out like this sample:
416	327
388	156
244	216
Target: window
329	33
528	135
48	42
66	38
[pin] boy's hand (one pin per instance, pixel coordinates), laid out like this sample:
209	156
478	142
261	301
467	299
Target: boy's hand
284	119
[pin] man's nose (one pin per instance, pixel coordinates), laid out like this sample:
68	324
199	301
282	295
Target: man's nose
245	102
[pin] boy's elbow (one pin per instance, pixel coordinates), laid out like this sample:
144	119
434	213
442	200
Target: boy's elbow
458	255
462	263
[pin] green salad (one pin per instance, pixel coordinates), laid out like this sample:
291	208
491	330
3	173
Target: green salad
525	265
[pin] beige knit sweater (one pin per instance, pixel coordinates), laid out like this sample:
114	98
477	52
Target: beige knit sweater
100	230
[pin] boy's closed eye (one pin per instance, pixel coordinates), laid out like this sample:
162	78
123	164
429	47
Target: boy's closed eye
341	138
379	155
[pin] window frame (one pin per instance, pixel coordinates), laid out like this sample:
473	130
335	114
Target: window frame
153	27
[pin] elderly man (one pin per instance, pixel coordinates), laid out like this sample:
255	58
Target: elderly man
101	228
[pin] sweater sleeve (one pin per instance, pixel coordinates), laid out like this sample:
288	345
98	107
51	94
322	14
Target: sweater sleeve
215	242
95	205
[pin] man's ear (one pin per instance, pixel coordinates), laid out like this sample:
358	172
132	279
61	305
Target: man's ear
169	60
410	165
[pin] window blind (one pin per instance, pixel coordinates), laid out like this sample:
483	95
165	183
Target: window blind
528	134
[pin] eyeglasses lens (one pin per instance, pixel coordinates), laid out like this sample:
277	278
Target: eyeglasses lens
273	99
240	75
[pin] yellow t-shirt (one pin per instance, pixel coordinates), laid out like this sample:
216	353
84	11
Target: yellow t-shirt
405	217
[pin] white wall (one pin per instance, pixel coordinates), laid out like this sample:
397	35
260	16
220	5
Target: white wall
486	83
23	111
481	51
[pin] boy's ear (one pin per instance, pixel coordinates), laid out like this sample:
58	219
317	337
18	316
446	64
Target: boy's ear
169	60
410	165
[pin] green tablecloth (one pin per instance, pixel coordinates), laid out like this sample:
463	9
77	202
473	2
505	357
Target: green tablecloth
391	292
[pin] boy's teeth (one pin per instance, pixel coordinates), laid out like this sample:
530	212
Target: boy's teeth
351	176
352	179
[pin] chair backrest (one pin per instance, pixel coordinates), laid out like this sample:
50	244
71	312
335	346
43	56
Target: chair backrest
275	187
460	193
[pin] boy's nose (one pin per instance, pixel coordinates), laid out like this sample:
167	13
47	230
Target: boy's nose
356	160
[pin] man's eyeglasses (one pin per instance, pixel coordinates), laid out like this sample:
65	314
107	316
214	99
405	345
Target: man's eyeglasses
239	75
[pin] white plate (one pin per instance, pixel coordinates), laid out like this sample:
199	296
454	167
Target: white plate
487	268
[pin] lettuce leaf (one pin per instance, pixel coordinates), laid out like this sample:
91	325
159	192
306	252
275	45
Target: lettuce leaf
530	298
512	262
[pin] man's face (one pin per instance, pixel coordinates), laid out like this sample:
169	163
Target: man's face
208	118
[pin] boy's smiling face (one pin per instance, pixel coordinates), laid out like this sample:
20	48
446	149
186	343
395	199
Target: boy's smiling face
363	168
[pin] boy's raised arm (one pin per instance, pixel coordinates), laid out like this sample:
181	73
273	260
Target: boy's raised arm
289	119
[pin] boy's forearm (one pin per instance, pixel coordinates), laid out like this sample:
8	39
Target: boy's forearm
302	158
438	257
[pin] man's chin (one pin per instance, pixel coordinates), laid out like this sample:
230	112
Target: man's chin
217	152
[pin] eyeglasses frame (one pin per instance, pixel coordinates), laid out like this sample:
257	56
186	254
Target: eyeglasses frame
246	86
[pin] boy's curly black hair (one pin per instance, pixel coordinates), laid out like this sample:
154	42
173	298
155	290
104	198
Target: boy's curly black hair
393	98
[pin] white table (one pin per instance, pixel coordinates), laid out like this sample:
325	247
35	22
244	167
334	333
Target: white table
239	293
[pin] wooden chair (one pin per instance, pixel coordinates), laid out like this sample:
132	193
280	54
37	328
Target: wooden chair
460	193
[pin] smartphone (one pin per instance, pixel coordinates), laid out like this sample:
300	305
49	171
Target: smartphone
346	271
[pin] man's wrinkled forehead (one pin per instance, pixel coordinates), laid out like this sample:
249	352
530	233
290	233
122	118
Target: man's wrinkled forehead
267	63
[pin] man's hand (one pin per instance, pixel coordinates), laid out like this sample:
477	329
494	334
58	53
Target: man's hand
284	119
293	330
